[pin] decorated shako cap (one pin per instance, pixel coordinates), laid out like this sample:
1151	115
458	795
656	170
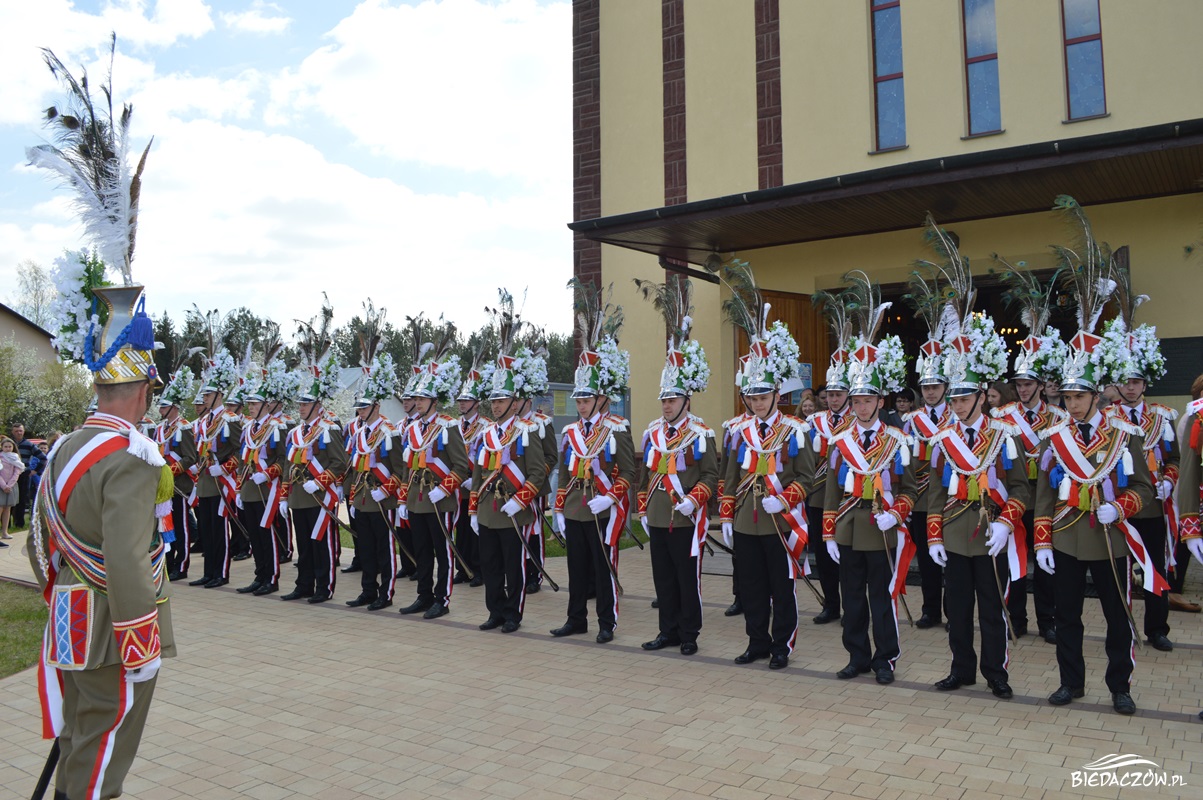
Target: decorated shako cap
320	380
319	365
875	367
379	383
181	387
602	369
930	364
478	380
1139	343
836	313
975	358
439	375
221	374
685	369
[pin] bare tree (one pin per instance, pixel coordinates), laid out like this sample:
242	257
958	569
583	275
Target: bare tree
34	292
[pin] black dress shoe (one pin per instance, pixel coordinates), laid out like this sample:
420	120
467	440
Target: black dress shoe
318	598
460	578
925	621
285	560
747	657
1050	635
416	606
1001	689
1064	695
490	623
216	582
885	676
689	648
296	594
242	557
656	603
360	601
1019	630
177	576
510	626
379	603
568	629
1123	703
660	642
532	588
952	683
1161	642
850	672
825	616
267	588
778	661
352	567
435	611
248	589
199	581
604	636
734	610
476	582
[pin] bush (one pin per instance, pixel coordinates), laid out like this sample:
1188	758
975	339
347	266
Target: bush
45	395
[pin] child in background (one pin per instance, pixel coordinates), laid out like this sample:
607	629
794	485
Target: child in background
11	468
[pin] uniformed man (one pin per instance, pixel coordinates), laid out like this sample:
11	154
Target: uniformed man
177	445
736	608
1190	484
678	474
472	424
436	463
537	540
217	440
596	468
976	499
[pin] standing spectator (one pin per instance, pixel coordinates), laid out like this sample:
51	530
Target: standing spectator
821	397
904	402
1052	393
806	407
11	470
1177	578
37	463
25	449
1000	394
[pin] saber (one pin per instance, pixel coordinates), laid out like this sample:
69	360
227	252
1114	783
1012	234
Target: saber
721	546
400	545
47	772
878	508
555	534
233	517
521	538
1115	574
454	550
629	531
275	533
1003	599
801	567
602	538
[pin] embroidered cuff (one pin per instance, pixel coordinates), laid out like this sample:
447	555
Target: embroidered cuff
793	495
1043	533
273	471
473	500
231	466
1171	473
700	494
1128	504
450	484
641	502
176	469
285	489
722	482
326	479
138	640
1011	514
392	485
935	529
526	494
619	490
561	499
402	492
829	526
1189	527
902	508
726	509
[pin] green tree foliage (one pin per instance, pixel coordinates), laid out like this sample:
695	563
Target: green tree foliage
46	395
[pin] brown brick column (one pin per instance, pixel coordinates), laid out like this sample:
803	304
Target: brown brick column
586	134
673	33
768	93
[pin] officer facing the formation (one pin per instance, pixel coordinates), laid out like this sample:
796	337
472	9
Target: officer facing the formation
231	485
1190	484
547	433
678	475
506	476
978	493
870	493
737	607
1094	479
177	445
376	466
475	390
597	466
217	438
317	462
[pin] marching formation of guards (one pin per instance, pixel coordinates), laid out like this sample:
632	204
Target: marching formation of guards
967	490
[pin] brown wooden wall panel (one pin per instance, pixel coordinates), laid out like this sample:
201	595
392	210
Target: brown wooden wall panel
805	323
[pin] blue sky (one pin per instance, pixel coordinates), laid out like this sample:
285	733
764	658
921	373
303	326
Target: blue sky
418	153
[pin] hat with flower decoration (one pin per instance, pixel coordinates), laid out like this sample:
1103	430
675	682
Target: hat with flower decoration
479	377
379	378
832	305
603	369
439	376
181	386
319	364
1138	342
1042	351
686	370
874	367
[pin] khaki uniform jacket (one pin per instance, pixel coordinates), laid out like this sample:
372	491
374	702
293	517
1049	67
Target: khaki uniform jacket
271	437
610	440
921	448
383	440
322	442
824	425
547	429
436	437
694	448
847	517
491	490
218	438
176	439
956	521
112	509
1161	447
1061	524
1190	479
751	457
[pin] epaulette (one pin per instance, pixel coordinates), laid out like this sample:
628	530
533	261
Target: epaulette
446	421
700	428
1116	419
898	434
1058	413
616	423
528	424
1195	407
1055	428
798	424
1007	428
1163	410
734	421
1001	411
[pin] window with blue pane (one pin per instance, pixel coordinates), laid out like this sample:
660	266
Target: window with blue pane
981	66
1084	85
888	96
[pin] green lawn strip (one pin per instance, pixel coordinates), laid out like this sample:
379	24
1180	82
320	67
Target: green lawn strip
22	620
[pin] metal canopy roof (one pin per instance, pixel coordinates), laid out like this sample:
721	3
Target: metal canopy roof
1105	168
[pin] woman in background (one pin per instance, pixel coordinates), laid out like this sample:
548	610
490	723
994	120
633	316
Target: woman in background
1000	394
11	468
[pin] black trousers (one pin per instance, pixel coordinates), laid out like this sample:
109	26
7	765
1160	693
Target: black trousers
376	554
587	557
432	552
283	528
865	582
931	577
970	579
677	576
502	569
22	500
1070	588
1153	532
180	557
315	559
405	536
1178	579
1042	588
828	570
240	543
537	545
766	590
215	544
263	543
467	541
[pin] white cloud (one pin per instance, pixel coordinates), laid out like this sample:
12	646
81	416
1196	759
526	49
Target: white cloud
261	18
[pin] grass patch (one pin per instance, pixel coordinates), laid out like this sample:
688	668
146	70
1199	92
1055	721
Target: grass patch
22	619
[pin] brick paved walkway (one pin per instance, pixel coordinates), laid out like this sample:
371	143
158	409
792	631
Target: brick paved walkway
273	700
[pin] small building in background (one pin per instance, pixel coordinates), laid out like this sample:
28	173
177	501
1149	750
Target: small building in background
26	333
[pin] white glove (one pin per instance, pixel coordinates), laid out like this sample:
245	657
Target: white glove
996	542
601	504
511	507
311	487
729	535
1044	558
283	506
437	494
771	504
475	523
885	521
402	511
259	477
938	554
1108	513
467	485
833	550
216	471
686	507
1164	489
238	501
145	672
643	522
1195	546
379	494
560	525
